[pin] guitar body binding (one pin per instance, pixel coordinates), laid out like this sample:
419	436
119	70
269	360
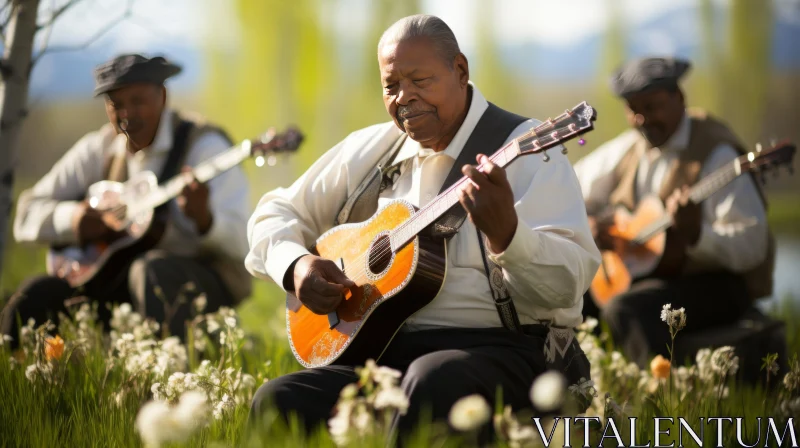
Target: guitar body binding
629	261
383	301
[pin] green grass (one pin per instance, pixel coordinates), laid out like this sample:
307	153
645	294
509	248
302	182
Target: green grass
79	409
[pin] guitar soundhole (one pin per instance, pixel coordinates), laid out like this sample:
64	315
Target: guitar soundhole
380	254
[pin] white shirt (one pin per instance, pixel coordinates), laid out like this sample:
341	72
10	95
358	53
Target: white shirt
548	265
44	213
734	233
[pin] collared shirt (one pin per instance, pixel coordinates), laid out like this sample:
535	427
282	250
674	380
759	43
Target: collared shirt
734	233
45	211
548	265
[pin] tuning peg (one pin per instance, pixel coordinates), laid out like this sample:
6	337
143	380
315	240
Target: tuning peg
758	147
546	158
564	150
260	161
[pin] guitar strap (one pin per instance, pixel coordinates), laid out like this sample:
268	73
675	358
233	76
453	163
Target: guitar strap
175	159
491	131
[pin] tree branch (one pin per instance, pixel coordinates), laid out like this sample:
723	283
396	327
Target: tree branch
57	13
98	35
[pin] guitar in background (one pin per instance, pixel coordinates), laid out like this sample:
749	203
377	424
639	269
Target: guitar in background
640	236
129	208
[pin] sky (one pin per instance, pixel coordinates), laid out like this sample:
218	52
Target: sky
204	22
188	26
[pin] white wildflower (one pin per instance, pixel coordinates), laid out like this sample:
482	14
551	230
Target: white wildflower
584	388
339	425
588	325
724	362
792	381
363	421
39	371
391	398
230	322
676	319
548	391
158	422
12	363
200	303
469	413
4	339
224	405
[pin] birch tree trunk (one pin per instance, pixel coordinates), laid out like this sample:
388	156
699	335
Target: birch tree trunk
16	65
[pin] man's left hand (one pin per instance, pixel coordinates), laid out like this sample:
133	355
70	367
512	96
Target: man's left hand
686	215
193	202
489	201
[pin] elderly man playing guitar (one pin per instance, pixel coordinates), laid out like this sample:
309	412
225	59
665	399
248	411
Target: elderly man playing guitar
698	238
375	286
200	246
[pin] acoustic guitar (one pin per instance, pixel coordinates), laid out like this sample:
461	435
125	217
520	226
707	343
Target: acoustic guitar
129	209
640	236
397	269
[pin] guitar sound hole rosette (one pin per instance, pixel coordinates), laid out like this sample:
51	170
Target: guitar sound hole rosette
380	256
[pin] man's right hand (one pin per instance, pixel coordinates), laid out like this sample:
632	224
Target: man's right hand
88	224
319	284
600	233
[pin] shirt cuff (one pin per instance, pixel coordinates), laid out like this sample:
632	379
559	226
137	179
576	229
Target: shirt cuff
521	248
281	257
62	220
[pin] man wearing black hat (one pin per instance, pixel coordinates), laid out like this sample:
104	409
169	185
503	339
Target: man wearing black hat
204	245
724	242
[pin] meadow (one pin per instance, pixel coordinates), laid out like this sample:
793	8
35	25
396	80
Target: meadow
76	386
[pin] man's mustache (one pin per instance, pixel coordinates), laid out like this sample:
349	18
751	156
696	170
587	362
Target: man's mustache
407	111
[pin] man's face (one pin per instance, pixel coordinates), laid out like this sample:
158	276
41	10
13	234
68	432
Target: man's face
141	105
425	95
655	113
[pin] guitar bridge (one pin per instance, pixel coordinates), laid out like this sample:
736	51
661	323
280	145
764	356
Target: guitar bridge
333	320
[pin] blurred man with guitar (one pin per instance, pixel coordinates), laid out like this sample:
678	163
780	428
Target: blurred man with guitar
451	334
712	255
201	248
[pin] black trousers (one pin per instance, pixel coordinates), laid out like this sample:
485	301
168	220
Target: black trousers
634	318
156	286
438	366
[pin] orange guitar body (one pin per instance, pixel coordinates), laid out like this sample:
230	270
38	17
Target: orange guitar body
392	285
629	260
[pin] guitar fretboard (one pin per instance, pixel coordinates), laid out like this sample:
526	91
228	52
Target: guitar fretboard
698	193
529	143
202	172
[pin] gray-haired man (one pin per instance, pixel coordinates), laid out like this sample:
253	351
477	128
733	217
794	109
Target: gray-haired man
531	214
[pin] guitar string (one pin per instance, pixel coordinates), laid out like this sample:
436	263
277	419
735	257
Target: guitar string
524	141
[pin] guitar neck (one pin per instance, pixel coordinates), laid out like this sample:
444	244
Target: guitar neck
202	172
527	144
701	191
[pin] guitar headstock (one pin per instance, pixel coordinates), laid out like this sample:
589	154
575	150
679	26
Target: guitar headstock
572	123
271	143
770	159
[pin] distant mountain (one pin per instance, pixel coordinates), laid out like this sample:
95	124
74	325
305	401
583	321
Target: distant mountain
675	33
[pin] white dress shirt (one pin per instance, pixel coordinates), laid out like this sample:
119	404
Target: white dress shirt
45	211
734	235
548	265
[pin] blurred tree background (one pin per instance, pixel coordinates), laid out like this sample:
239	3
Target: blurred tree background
313	63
